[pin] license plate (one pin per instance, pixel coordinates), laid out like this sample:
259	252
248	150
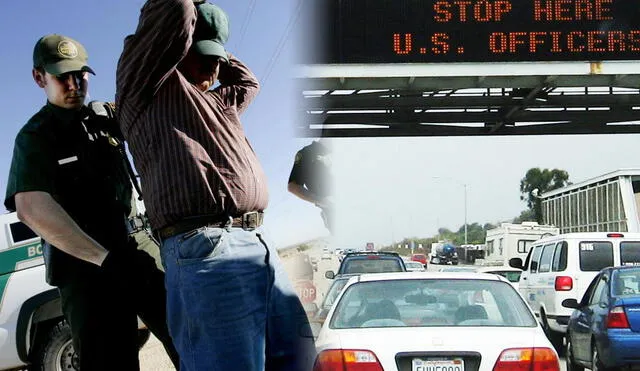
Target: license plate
419	364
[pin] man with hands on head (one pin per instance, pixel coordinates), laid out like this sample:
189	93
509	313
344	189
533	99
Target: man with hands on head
230	303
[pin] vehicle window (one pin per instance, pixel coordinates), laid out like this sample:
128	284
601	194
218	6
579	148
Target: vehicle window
594	256
333	292
599	292
535	258
524	245
525	265
431	302
359	266
560	257
626	282
545	259
630	253
20	232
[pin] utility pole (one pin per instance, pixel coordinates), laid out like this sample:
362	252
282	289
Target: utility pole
465	214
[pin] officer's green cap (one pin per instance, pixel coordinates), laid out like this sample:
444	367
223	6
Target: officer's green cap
212	31
59	54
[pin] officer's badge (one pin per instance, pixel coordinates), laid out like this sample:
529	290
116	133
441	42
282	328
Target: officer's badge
67	49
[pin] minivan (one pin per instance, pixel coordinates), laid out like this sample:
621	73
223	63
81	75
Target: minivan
562	266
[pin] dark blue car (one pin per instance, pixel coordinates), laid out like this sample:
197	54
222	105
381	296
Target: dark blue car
604	329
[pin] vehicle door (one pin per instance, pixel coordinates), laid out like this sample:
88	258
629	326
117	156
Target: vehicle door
588	317
529	278
544	287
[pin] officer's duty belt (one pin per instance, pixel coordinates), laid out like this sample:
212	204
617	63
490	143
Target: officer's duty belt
248	221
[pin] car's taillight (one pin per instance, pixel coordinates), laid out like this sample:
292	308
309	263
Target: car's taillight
527	359
564	283
617	318
615	235
347	360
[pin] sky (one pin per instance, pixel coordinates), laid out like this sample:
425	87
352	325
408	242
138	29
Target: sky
391	188
260	35
386	188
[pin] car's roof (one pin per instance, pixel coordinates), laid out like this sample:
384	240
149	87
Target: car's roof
368	277
595	236
345	276
622	267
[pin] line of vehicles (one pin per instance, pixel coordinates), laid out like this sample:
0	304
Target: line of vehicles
581	289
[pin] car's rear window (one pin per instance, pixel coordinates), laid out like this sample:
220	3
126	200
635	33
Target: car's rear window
630	253
365	265
595	256
626	282
431	302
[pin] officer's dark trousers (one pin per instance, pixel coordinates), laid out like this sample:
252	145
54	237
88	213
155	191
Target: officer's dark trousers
102	316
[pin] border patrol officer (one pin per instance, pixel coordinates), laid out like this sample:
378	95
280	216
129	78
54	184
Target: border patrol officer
69	183
311	180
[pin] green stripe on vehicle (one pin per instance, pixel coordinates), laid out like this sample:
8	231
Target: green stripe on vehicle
10	258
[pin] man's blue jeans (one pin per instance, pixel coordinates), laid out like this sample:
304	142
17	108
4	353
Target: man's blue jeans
230	304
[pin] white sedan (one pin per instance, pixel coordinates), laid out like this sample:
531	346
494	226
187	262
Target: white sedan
422	321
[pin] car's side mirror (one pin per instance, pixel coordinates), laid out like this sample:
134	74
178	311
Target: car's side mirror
570	303
329	274
516	263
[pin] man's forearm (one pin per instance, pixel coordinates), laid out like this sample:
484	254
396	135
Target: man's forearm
238	85
50	221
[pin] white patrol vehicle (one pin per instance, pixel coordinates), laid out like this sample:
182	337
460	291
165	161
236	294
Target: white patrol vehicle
561	267
33	332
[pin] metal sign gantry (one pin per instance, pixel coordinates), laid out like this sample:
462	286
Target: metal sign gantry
469	99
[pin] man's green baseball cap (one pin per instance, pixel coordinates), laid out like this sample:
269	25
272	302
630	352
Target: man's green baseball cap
212	31
59	54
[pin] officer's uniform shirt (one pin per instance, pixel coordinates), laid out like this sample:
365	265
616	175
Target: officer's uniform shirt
76	159
312	167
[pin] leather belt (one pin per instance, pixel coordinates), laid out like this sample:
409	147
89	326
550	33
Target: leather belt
248	221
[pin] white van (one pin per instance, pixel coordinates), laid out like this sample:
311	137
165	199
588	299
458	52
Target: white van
561	267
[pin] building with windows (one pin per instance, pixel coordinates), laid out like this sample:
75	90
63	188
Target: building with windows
607	203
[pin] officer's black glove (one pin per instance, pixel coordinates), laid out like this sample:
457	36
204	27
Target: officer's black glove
121	265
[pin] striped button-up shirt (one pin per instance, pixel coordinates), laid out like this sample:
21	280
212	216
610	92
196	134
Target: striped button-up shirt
188	146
